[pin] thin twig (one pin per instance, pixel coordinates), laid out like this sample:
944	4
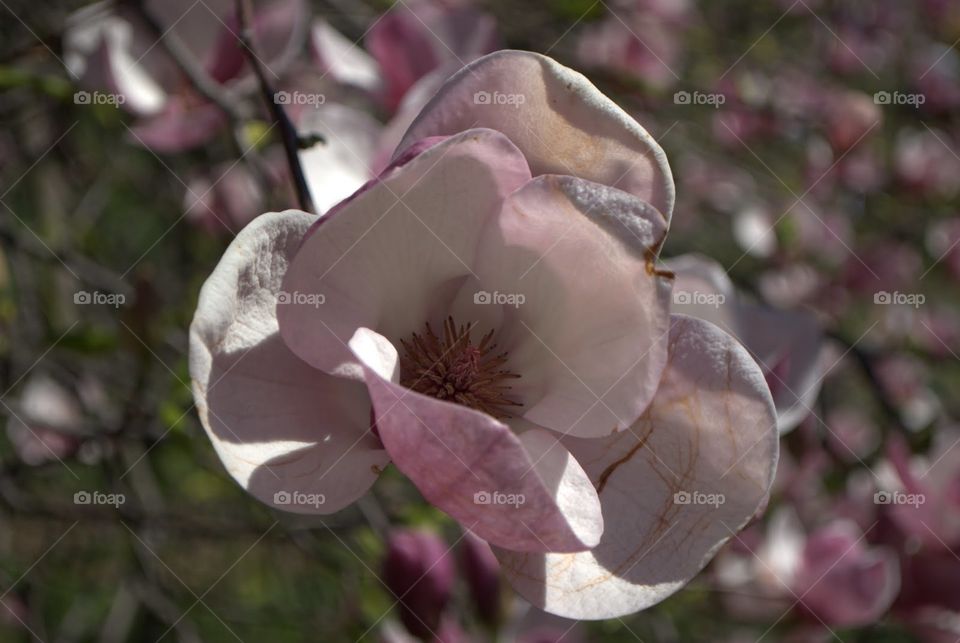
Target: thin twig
288	133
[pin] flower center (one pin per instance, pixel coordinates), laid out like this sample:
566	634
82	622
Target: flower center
455	369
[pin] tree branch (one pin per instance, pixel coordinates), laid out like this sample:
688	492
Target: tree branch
288	134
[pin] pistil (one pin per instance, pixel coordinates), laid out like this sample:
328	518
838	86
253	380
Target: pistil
454	369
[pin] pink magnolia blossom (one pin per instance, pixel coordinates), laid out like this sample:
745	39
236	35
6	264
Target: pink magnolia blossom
786	344
641	47
408	42
923	492
488	315
929	600
112	50
832	574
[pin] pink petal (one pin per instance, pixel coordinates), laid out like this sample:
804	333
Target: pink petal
107	53
280	28
292	436
411	105
344	61
391	258
711	429
404	50
414	38
224	199
563	126
786	344
842	580
525	493
226	58
211	30
184	123
926	508
590	336
703	289
640	48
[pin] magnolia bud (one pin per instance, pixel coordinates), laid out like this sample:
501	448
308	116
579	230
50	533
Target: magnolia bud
419	572
482	571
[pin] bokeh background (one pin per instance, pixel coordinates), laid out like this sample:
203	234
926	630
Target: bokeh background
815	146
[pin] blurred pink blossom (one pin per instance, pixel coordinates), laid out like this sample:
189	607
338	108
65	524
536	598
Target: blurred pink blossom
112	50
405	44
924	162
831	573
47	422
930	488
943	244
785	344
634	44
849	116
935	69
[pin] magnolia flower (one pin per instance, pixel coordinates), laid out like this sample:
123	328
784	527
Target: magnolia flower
643	47
488	316
405	44
786	344
111	49
830	573
921	494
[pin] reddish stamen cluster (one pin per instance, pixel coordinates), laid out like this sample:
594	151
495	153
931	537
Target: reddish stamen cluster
452	368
